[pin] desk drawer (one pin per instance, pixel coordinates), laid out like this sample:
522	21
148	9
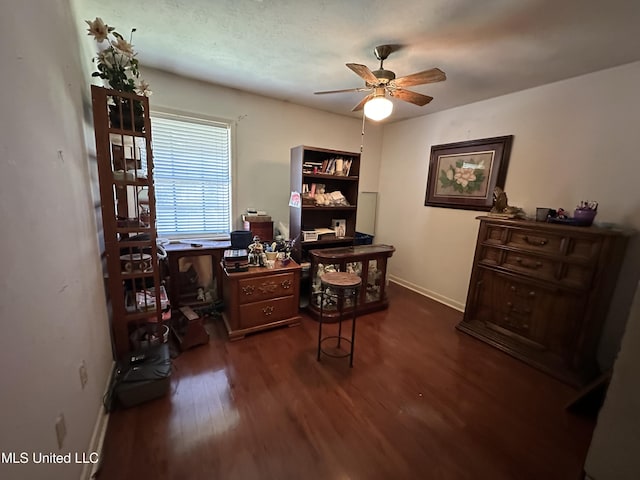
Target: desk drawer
263	288
267	311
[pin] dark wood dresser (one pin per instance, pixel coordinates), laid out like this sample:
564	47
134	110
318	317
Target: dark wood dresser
541	292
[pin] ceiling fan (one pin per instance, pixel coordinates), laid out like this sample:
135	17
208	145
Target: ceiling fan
381	81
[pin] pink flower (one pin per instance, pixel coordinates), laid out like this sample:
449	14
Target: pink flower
465	175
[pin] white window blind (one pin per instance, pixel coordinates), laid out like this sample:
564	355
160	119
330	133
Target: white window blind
192	176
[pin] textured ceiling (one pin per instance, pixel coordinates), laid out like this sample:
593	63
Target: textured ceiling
288	49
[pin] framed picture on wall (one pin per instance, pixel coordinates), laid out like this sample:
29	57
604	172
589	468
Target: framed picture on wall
464	174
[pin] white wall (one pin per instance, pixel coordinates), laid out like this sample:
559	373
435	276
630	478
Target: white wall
613	454
573	140
266	129
52	303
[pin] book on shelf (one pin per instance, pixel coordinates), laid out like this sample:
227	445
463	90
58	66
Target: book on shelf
347	167
311	167
331	168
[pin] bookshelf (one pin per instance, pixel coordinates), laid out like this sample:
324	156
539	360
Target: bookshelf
127	200
328	182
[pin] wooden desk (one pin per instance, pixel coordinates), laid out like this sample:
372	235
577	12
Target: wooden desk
261	298
176	251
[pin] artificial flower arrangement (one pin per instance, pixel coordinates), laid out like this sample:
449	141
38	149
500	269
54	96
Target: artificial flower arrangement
116	60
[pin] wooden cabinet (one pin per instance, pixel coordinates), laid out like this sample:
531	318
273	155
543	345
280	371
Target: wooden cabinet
369	262
264	230
194	269
125	167
261	298
306	170
541	292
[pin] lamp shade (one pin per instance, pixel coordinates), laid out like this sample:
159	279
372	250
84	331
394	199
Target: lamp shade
378	108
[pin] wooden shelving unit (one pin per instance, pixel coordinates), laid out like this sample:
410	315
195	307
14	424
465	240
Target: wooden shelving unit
310	216
125	168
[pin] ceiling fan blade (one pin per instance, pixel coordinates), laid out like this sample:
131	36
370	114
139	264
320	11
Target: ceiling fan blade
411	97
420	78
364	72
359	89
360	106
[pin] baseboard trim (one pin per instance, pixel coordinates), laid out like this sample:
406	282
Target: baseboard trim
90	470
427	293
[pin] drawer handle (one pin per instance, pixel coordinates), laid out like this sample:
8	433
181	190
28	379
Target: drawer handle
531	265
267	287
268	310
248	289
286	284
515	309
515	323
535	241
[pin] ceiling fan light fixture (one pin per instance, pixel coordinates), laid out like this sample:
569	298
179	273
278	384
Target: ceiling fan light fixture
378	108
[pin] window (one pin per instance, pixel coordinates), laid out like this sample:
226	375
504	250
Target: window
192	176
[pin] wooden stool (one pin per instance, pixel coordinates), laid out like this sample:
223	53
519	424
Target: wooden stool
340	286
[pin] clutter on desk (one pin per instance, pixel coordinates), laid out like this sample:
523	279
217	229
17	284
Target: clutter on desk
236	260
260	253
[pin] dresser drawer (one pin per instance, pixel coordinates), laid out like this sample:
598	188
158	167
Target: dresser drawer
576	275
572	275
578	247
535	316
574	247
262	288
535	241
267	311
532	265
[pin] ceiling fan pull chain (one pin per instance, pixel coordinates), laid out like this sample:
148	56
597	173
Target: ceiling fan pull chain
362	137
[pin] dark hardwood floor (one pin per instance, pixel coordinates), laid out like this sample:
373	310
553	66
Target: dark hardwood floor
423	401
